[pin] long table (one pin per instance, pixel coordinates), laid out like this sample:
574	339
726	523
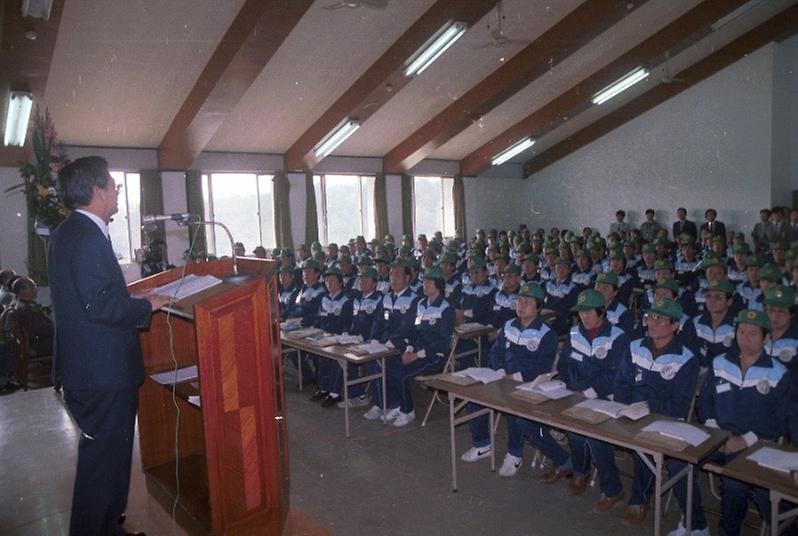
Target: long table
495	397
338	354
781	486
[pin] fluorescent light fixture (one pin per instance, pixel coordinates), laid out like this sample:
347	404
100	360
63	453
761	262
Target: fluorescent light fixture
336	137
17	118
739	12
513	150
622	84
434	47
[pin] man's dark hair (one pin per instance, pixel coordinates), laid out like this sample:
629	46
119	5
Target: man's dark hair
765	210
620	213
650	211
11	282
712	210
76	181
5	276
440	284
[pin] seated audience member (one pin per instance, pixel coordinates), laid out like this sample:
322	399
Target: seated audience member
366	309
307	305
260	252
428	345
747	393
617	313
454	287
561	295
477	302
713	330
588	364
334	316
769	277
34	319
394	329
737	270
530	266
646	272
627	277
6	296
505	299
667	288
661	371
156	258
783	341
239	249
687	262
583	274
714	270
287	291
525	349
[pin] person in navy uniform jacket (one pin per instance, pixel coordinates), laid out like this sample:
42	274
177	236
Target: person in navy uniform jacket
288	291
783	341
617	313
588	364
428	345
394	329
505	299
97	354
713	330
525	349
661	371
366	309
561	294
334	316
747	393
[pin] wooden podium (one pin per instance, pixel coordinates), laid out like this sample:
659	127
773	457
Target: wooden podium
231	473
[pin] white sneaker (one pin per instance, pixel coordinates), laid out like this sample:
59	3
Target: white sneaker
374	413
510	465
681	530
404	419
475	454
390	414
356	402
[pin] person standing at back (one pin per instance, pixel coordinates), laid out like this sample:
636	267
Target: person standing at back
97	353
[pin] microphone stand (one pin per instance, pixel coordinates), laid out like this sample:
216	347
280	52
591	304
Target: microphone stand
229	236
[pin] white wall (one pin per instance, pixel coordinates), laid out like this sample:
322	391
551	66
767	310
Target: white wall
13	222
785	121
709	146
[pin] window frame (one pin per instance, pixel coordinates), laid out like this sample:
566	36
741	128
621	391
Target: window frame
321	204
442	207
133	244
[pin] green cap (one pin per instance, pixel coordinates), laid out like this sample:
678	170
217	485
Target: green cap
319	256
400	263
742	249
686	238
370	272
588	299
781	297
562	260
345	259
754	261
534	257
724	285
388	239
448	258
413	262
332	246
276	253
287	252
616	255
713	260
287	269
607	278
333	270
663	264
433	273
513	269
311	263
757	318
648	248
404	250
422	236
315	245
476	262
666	307
668	283
581	253
532	290
382	258
504	258
770	272
364	260
781	246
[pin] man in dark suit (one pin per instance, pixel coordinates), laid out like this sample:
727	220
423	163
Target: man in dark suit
682	225
715	228
97	353
793	234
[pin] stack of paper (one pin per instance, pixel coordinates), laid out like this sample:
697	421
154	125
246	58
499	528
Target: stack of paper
304	332
485	375
469	326
368	348
552	389
292	324
322	339
776	459
171	377
678	430
190	284
349	339
616	410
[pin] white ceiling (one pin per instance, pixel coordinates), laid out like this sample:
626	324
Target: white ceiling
122	68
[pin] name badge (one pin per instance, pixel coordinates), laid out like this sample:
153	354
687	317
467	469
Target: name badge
387	315
722	388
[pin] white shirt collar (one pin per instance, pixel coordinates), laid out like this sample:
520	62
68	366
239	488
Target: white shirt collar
96	219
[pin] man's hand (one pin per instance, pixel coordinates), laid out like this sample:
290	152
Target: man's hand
157	301
408	357
734	444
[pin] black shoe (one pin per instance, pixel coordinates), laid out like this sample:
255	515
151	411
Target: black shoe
318	395
330	401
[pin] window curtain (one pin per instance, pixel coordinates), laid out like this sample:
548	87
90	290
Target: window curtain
311	216
195	207
282	210
458	195
152	203
380	206
407	204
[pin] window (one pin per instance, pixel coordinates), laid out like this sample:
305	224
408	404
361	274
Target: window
125	226
344	206
245	204
433	205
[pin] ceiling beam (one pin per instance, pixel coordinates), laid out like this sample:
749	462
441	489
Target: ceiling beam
567	36
254	36
777	27
670	40
25	63
383	79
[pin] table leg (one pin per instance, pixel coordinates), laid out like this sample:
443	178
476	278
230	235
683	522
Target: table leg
342	364
453	444
491	418
688	515
775	499
384	390
657	494
299	367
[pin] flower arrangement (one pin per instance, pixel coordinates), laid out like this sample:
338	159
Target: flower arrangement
39	176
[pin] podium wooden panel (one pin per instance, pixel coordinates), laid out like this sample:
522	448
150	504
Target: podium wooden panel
230	473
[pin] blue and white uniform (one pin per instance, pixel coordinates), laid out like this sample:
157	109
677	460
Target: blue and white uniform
503	307
709	342
365	311
619	315
394	329
308	302
560	297
287	299
334	316
785	350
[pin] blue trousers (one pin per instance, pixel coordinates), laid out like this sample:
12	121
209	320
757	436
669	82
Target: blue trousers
480	431
352	373
102	480
399	376
373	367
328	374
585	450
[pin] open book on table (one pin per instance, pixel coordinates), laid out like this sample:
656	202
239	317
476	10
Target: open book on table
779	460
482	374
615	410
678	430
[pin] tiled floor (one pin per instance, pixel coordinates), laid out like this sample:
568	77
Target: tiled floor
381	481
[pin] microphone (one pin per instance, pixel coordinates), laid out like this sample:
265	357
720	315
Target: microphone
178	217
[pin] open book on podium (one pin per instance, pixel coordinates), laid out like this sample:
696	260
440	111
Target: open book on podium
232	459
